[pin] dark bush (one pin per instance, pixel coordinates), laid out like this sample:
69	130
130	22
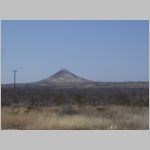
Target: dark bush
45	96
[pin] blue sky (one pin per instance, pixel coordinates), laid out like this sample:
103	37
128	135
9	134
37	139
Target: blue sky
96	50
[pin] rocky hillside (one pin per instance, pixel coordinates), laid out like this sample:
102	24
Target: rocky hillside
66	79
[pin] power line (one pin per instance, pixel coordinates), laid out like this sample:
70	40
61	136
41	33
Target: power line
15	78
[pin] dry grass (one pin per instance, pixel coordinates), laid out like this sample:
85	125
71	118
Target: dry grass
84	118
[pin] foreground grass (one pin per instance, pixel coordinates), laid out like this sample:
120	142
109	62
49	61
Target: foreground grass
75	118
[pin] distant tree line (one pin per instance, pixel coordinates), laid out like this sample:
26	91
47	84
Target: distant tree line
44	96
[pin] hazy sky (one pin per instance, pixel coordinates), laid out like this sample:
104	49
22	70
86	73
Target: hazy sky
96	50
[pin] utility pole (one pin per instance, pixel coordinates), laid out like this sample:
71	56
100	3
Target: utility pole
15	79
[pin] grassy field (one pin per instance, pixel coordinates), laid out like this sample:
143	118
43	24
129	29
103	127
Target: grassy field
74	117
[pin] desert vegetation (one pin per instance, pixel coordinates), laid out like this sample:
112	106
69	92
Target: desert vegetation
75	109
75	117
44	96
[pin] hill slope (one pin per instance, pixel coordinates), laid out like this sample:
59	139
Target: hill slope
66	79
